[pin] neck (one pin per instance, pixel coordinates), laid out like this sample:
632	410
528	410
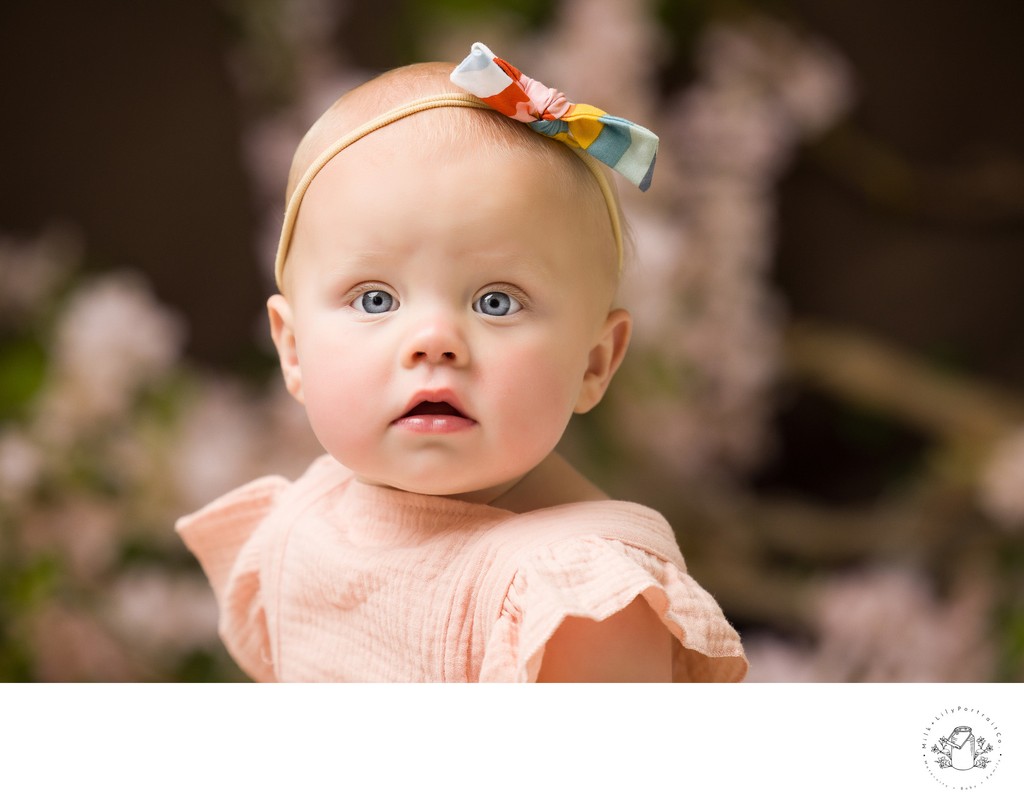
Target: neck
553	482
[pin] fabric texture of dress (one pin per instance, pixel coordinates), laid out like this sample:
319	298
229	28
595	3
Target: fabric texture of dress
330	579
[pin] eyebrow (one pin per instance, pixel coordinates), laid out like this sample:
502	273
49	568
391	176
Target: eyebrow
500	260
357	263
361	258
360	262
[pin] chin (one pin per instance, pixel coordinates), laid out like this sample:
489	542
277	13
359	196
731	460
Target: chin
436	491
437	486
440	484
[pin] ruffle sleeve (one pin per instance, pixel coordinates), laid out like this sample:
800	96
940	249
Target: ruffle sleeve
595	577
224	538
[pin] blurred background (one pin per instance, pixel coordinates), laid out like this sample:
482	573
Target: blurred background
825	393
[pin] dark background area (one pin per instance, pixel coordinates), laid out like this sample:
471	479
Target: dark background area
931	252
120	119
908	222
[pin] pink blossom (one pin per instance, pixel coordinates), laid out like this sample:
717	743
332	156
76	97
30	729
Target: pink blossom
1001	486
112	340
164	614
21	465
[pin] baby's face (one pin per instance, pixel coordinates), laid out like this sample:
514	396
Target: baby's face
444	317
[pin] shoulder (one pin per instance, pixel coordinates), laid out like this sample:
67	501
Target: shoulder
613	552
232	518
607	575
632	524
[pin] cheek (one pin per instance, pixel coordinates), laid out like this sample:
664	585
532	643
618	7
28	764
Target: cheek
335	380
537	387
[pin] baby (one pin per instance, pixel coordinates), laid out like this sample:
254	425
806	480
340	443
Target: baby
447	273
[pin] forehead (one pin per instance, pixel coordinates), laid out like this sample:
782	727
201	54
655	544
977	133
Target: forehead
435	138
450	180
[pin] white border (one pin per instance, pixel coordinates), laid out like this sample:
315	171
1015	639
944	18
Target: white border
483	746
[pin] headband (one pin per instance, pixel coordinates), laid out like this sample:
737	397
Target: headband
628	148
593	135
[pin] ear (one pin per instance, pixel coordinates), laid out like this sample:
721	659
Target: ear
283	332
605	358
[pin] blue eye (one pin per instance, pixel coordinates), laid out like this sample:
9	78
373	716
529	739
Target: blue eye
497	304
375	302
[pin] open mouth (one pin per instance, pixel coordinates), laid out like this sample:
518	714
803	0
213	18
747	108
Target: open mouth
434	417
434	409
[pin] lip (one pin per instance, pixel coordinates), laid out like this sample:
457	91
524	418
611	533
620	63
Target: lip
434	423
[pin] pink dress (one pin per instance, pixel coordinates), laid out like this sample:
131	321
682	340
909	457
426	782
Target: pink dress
330	579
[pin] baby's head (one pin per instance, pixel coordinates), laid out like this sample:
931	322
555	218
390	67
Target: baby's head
446	292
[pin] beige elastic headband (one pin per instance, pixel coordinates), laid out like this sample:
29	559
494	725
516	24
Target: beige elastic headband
291	212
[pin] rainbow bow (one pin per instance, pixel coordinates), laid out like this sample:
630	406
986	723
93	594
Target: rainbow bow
628	148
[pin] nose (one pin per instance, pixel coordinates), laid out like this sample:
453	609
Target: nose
435	341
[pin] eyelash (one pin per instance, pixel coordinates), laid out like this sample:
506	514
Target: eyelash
512	291
357	292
